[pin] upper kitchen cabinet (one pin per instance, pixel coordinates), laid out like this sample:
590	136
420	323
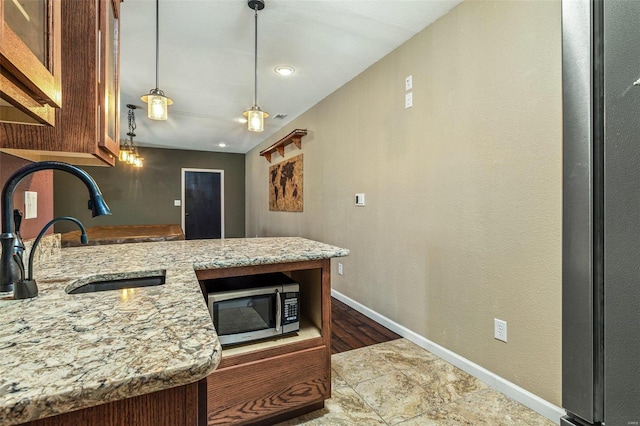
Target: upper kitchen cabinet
30	62
86	128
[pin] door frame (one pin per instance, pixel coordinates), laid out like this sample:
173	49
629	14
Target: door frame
183	174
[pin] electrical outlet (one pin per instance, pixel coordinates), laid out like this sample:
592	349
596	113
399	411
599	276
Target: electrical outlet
340	270
500	329
408	100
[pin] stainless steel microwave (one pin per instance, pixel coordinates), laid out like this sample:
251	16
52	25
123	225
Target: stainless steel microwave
254	307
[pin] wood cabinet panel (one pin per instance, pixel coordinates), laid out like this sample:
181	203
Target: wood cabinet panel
170	407
260	384
87	130
30	83
28	111
243	358
207	274
109	78
263	388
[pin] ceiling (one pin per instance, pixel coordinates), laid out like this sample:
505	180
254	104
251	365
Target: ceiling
206	62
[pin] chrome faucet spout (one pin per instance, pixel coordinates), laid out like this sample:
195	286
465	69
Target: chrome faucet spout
9	272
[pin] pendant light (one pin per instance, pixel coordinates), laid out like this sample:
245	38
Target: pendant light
125	151
255	116
157	102
128	151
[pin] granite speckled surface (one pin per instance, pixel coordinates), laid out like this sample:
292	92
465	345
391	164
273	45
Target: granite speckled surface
63	352
48	246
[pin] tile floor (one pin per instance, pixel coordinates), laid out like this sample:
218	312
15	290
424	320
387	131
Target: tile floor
399	383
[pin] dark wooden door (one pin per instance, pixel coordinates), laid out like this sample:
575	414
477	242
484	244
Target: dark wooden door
203	204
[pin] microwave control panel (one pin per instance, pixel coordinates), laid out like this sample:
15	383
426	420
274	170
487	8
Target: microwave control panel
290	308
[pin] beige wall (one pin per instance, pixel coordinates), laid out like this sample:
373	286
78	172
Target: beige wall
463	217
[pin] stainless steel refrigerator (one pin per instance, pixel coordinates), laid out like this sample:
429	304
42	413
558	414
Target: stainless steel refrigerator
601	212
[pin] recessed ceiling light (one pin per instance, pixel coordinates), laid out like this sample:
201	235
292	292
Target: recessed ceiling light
285	70
222	145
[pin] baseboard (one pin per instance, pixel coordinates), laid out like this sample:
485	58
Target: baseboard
523	396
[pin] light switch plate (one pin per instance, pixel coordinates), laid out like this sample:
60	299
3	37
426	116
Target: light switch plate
30	204
177	203
360	199
408	82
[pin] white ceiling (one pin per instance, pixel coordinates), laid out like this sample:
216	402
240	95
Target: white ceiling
207	58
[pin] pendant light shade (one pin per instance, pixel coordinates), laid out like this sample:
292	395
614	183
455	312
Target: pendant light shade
255	119
157	102
125	150
255	116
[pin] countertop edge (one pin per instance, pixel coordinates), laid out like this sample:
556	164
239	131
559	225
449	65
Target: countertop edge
92	397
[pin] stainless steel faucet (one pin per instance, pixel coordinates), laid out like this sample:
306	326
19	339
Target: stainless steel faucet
9	267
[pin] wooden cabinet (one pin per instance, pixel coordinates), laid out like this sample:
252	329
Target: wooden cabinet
87	125
30	61
171	407
109	77
276	379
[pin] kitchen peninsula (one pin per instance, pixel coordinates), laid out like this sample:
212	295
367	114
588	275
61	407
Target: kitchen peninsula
63	352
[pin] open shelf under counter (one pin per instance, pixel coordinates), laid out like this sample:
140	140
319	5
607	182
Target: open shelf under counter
308	335
272	380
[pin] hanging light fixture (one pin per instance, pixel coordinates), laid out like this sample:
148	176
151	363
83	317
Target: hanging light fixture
139	162
125	150
133	152
128	151
255	116
157	102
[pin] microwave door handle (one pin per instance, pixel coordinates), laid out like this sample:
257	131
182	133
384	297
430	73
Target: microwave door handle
278	310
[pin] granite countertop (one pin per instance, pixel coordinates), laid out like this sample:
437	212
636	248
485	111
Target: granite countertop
63	352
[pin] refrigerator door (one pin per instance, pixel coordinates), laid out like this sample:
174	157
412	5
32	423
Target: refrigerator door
581	216
601	212
622	213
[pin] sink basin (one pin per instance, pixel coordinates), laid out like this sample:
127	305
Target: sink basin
108	282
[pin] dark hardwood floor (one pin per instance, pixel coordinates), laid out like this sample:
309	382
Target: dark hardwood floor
352	330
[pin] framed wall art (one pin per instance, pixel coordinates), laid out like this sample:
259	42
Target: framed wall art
285	185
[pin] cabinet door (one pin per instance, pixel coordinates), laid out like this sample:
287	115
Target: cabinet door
30	61
109	71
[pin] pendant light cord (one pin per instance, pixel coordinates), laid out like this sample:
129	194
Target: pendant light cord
157	40
255	59
132	123
157	102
